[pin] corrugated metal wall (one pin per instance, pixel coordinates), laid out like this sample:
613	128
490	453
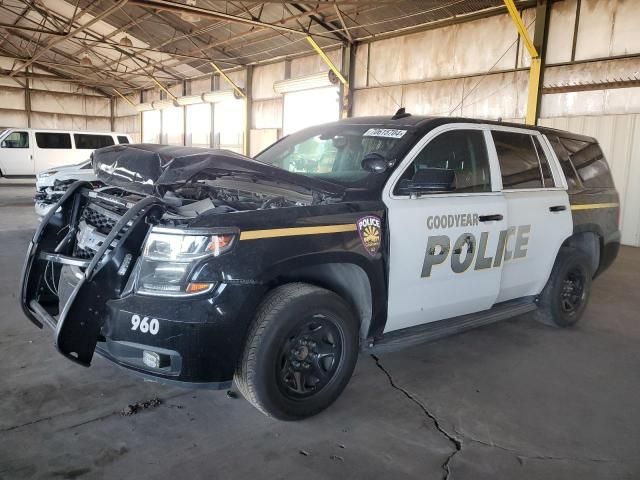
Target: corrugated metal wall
619	136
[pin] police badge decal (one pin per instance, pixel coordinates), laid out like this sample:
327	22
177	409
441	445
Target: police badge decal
370	233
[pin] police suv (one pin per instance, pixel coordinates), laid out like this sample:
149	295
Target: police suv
199	267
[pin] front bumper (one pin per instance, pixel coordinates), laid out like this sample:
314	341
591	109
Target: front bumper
197	340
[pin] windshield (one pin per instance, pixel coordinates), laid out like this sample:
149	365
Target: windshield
334	152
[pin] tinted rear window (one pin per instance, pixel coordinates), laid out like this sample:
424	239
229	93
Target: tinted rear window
518	160
53	140
588	160
91	142
122	139
567	168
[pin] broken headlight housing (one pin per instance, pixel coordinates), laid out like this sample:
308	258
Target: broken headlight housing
169	258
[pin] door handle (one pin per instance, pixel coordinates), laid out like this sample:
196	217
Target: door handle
490	218
557	208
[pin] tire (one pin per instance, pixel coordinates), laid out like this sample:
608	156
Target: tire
300	353
564	299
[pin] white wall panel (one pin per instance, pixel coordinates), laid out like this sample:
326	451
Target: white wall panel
263	79
69	122
267	113
376	101
561	25
308	65
13	118
619	137
479	44
496	96
608	27
200	85
130	125
70	104
124	108
433	98
12	98
361	66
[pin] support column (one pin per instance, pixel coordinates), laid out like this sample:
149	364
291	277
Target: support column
536	49
248	104
346	93
540	35
344	88
27	99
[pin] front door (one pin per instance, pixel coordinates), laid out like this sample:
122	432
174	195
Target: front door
16	154
446	247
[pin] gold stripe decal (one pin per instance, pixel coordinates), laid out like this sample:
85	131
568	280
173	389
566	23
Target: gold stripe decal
591	206
296	231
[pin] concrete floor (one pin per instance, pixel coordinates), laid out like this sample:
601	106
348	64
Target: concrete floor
522	400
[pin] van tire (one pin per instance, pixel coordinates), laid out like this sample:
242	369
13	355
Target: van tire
288	352
566	294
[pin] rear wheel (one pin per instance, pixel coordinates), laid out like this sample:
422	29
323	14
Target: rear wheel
564	299
300	352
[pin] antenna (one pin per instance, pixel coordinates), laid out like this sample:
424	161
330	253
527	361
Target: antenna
401	113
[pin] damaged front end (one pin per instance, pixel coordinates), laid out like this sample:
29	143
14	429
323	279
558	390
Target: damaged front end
99	247
147	271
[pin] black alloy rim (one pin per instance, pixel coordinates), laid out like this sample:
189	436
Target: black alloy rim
572	293
309	357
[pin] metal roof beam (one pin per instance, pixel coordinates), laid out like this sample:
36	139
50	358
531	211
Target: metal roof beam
71	34
206	13
327	26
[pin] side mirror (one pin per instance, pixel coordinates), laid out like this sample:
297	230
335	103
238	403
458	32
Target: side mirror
3	144
429	180
374	163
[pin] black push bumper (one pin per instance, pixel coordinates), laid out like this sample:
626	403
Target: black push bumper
195	341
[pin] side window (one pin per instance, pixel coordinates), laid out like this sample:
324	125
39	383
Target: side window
16	140
565	163
464	152
547	176
518	159
588	160
122	139
86	141
53	140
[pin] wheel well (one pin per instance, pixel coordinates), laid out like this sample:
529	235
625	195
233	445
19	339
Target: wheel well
346	279
589	243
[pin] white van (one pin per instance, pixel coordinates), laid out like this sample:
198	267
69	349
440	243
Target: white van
26	151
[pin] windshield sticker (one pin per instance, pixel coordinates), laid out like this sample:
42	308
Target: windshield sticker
384	132
370	233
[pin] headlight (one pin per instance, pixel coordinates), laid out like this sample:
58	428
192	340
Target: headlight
168	260
47	174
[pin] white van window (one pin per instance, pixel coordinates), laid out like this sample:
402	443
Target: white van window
16	140
91	141
53	140
122	139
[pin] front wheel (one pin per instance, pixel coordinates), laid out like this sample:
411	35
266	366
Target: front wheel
300	352
564	299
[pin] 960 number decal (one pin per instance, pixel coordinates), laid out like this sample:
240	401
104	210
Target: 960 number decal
145	324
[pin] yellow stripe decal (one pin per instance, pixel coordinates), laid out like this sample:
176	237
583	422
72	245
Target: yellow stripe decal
590	206
296	231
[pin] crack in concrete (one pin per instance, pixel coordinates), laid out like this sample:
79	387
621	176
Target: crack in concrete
523	455
457	437
455	441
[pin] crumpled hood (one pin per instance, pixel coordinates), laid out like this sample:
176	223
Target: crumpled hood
142	168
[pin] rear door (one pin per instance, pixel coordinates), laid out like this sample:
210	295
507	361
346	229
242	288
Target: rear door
445	245
538	211
16	154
